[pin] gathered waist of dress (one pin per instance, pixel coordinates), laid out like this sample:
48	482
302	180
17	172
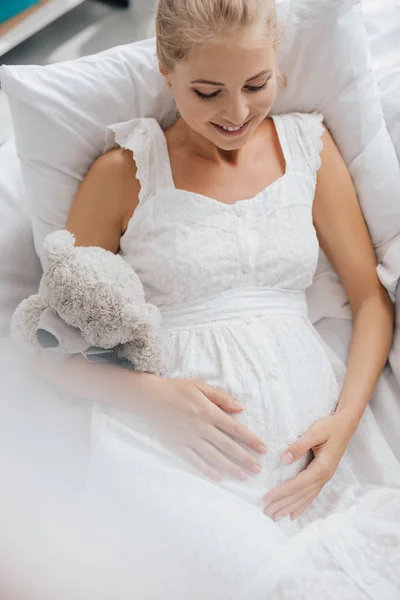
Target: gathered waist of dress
234	304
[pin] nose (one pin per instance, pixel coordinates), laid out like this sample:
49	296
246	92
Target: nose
237	110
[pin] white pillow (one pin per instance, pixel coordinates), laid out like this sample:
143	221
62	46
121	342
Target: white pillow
19	264
60	112
383	27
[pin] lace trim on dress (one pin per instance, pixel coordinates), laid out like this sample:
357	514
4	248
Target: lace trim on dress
301	140
313	131
145	138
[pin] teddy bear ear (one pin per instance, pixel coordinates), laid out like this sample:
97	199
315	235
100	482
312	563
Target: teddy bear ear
26	319
58	245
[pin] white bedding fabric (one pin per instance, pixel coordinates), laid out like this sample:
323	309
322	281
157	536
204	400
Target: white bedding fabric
19	265
102	573
382	19
69	550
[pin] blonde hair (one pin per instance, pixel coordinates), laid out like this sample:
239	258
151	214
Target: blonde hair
183	24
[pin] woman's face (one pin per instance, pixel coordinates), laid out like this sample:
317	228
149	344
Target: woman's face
224	91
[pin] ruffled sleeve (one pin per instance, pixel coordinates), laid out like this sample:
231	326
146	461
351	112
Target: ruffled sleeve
145	138
301	140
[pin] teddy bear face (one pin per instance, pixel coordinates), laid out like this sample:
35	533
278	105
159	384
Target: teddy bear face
98	299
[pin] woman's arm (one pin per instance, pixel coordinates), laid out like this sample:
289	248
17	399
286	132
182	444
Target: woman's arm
105	201
344	237
99	214
189	416
100	383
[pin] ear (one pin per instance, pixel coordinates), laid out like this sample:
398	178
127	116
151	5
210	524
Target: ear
26	319
165	74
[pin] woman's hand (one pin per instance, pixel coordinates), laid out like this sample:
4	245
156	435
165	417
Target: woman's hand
189	418
328	439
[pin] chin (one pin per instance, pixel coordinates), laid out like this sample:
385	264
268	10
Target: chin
230	146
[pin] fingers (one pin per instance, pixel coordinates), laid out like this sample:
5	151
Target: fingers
294	509
286	505
201	465
233	450
315	436
224	422
292	487
219	397
235	429
299	448
281	503
309	477
214	457
299	510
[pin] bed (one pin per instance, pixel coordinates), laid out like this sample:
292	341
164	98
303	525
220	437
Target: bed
25	219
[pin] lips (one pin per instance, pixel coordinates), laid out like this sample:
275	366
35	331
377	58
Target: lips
232	128
231	132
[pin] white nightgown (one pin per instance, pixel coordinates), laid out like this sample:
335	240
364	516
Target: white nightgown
230	282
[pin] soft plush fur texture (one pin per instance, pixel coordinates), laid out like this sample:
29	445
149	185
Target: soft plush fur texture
98	293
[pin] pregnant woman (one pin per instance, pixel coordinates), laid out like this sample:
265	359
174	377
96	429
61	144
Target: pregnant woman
222	216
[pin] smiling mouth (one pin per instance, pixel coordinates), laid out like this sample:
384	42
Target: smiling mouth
231	131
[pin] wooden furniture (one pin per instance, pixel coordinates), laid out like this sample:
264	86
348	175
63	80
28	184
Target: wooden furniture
22	26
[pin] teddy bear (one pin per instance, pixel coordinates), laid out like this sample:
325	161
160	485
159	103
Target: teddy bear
91	301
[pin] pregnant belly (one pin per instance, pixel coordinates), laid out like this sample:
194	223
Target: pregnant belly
276	366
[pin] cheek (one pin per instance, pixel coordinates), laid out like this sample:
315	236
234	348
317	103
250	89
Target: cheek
266	100
192	109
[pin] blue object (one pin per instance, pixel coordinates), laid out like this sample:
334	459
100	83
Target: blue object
10	8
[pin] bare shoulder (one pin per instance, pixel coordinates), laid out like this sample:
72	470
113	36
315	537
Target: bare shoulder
333	178
330	154
105	201
116	167
337	213
341	227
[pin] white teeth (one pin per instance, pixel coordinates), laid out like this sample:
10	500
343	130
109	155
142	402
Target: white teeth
232	128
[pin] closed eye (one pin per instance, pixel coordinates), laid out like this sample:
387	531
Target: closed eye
207	96
248	88
258	88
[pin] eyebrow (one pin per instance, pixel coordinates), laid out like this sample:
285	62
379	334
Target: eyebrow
207	82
